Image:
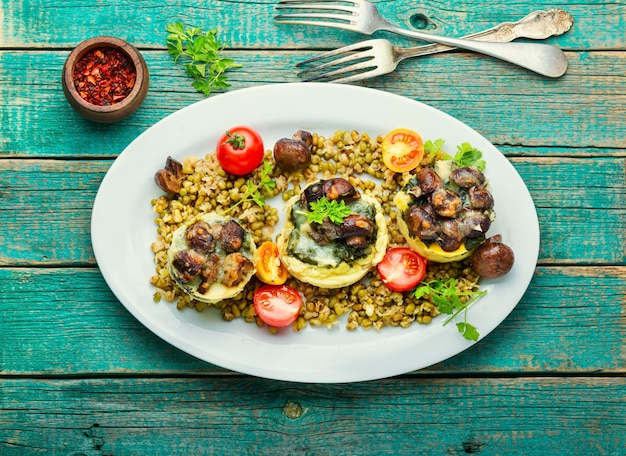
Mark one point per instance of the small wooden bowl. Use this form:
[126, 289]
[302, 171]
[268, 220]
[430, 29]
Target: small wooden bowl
[116, 111]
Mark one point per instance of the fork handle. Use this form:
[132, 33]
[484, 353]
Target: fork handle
[544, 59]
[537, 25]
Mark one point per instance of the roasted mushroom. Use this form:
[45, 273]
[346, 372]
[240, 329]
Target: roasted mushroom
[231, 236]
[427, 182]
[170, 178]
[467, 177]
[446, 203]
[492, 259]
[480, 198]
[188, 264]
[292, 154]
[199, 237]
[356, 230]
[339, 189]
[422, 224]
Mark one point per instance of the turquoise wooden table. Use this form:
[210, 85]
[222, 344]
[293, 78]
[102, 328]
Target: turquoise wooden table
[80, 376]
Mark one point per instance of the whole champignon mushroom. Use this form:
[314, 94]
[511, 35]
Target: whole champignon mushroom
[492, 259]
[294, 154]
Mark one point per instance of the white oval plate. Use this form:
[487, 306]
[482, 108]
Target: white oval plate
[123, 230]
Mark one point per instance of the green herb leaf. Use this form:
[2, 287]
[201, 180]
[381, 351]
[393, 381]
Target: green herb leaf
[469, 156]
[447, 298]
[236, 141]
[432, 148]
[254, 189]
[468, 330]
[334, 210]
[203, 54]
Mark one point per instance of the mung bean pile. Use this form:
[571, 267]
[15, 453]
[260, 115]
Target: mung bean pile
[354, 156]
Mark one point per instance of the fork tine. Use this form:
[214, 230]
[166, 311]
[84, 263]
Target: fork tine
[362, 46]
[340, 71]
[334, 63]
[297, 18]
[356, 77]
[314, 6]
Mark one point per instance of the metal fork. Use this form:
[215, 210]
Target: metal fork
[363, 17]
[372, 58]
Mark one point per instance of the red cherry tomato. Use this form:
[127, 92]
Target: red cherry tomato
[402, 269]
[277, 305]
[240, 150]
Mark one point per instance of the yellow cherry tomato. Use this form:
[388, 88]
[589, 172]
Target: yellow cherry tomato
[269, 269]
[403, 150]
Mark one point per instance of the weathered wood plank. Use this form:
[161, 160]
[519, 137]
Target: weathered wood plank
[505, 106]
[46, 209]
[67, 322]
[39, 23]
[247, 416]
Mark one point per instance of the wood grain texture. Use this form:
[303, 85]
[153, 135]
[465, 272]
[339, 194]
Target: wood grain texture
[247, 416]
[506, 104]
[46, 209]
[41, 24]
[571, 319]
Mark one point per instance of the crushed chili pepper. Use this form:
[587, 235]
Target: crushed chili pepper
[104, 76]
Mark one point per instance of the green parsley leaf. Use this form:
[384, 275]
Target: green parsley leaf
[237, 141]
[254, 189]
[469, 156]
[468, 330]
[203, 54]
[445, 296]
[433, 148]
[334, 210]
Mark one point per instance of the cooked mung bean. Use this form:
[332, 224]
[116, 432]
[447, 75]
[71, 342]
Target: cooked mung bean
[369, 304]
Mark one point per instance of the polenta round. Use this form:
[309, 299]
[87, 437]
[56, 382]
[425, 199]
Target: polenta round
[333, 265]
[212, 258]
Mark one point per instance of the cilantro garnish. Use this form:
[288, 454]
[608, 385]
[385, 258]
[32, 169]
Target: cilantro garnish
[466, 155]
[253, 191]
[448, 299]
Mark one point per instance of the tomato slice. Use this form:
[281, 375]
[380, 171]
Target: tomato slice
[402, 269]
[277, 305]
[240, 150]
[269, 269]
[403, 150]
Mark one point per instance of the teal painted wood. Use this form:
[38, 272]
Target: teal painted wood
[247, 416]
[508, 105]
[46, 209]
[67, 322]
[247, 23]
[501, 102]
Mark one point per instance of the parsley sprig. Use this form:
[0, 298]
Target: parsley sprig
[254, 190]
[448, 299]
[335, 210]
[203, 51]
[466, 154]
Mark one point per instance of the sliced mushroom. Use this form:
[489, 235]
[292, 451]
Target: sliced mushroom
[493, 259]
[467, 177]
[170, 179]
[451, 237]
[356, 229]
[304, 136]
[428, 180]
[311, 194]
[209, 273]
[231, 236]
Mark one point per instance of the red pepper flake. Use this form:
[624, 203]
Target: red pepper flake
[104, 76]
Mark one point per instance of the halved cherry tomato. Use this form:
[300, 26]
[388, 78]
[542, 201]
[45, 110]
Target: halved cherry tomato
[240, 150]
[277, 305]
[269, 269]
[403, 150]
[402, 269]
